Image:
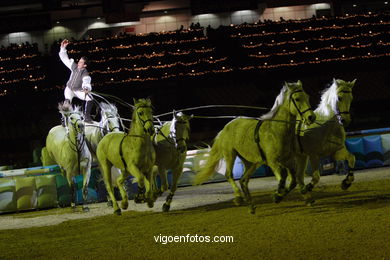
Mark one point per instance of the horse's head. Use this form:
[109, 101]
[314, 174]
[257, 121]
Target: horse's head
[344, 100]
[73, 117]
[180, 130]
[299, 104]
[143, 112]
[110, 118]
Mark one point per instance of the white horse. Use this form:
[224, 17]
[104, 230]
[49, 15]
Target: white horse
[109, 122]
[66, 147]
[327, 136]
[170, 143]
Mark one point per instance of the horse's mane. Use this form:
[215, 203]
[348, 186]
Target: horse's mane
[180, 117]
[108, 107]
[329, 100]
[66, 108]
[278, 101]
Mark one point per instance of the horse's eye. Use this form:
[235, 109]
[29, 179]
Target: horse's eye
[340, 98]
[141, 113]
[297, 100]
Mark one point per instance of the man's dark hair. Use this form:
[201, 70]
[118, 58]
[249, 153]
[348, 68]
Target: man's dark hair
[86, 62]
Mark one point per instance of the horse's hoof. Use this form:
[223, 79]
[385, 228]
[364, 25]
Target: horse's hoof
[124, 204]
[238, 201]
[309, 202]
[155, 196]
[307, 188]
[85, 209]
[118, 212]
[277, 198]
[139, 198]
[345, 185]
[252, 209]
[110, 204]
[150, 203]
[166, 207]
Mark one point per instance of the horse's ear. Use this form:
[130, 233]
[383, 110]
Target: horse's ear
[339, 81]
[299, 83]
[174, 113]
[135, 101]
[352, 83]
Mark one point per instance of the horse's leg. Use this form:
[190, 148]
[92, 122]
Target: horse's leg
[344, 154]
[105, 167]
[46, 159]
[229, 159]
[301, 166]
[280, 173]
[73, 191]
[140, 177]
[149, 194]
[115, 172]
[315, 164]
[121, 182]
[86, 170]
[164, 179]
[292, 176]
[244, 181]
[176, 173]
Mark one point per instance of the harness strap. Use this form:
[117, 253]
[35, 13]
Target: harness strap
[257, 139]
[121, 152]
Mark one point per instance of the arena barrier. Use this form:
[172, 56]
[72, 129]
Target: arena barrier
[45, 187]
[41, 188]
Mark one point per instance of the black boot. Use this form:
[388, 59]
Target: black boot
[87, 112]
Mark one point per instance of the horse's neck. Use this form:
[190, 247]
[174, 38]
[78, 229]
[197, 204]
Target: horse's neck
[93, 134]
[282, 121]
[163, 132]
[136, 129]
[73, 135]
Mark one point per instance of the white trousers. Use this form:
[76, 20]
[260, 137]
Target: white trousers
[70, 94]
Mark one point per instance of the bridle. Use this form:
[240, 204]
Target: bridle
[339, 113]
[172, 138]
[105, 125]
[140, 118]
[301, 113]
[75, 146]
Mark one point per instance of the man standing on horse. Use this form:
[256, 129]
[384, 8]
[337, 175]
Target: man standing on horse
[79, 83]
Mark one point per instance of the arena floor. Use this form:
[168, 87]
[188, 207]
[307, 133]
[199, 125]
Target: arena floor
[353, 224]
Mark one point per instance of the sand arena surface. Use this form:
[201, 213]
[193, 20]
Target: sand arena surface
[352, 224]
[185, 198]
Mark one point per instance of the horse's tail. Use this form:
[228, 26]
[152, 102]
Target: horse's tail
[46, 158]
[212, 163]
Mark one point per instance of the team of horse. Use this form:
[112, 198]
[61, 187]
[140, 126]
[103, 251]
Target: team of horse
[286, 138]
